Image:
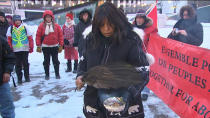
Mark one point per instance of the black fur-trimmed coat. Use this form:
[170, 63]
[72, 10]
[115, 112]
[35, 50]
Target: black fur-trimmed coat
[129, 50]
[194, 32]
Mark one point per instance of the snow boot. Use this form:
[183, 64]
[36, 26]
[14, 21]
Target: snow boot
[57, 75]
[18, 70]
[20, 79]
[46, 69]
[26, 73]
[75, 66]
[69, 68]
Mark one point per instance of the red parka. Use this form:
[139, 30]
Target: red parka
[52, 38]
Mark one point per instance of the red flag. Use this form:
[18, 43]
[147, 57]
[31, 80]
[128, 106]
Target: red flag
[153, 14]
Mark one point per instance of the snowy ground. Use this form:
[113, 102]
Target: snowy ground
[57, 98]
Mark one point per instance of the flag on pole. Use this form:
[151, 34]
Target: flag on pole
[152, 13]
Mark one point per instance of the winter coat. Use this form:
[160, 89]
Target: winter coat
[53, 38]
[7, 58]
[3, 28]
[148, 29]
[70, 51]
[80, 27]
[194, 32]
[129, 51]
[20, 38]
[106, 53]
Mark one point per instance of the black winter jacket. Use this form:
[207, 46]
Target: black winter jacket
[129, 50]
[80, 27]
[7, 58]
[194, 32]
[3, 28]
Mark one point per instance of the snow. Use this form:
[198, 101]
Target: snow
[57, 98]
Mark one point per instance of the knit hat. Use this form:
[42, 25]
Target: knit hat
[9, 16]
[140, 13]
[70, 15]
[16, 17]
[2, 14]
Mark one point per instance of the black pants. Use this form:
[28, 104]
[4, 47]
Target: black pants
[48, 53]
[91, 99]
[22, 63]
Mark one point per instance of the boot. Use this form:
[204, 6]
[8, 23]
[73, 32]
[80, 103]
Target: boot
[19, 73]
[75, 66]
[69, 69]
[26, 73]
[46, 69]
[20, 79]
[57, 75]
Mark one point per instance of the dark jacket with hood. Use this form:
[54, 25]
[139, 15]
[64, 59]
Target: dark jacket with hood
[3, 27]
[194, 31]
[80, 27]
[7, 58]
[106, 52]
[148, 29]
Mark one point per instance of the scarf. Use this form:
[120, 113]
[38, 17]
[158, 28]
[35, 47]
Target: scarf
[49, 28]
[69, 24]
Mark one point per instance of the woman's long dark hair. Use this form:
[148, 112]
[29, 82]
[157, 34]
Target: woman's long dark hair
[115, 17]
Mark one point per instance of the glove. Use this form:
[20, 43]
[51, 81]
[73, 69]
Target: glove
[31, 50]
[60, 49]
[66, 42]
[39, 49]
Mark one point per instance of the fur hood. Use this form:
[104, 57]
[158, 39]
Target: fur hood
[189, 9]
[138, 31]
[85, 11]
[148, 22]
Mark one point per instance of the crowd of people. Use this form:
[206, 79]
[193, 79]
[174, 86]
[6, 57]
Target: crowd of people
[107, 39]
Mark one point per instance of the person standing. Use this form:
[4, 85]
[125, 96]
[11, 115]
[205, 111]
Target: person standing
[187, 30]
[145, 23]
[9, 19]
[84, 21]
[49, 39]
[70, 51]
[4, 25]
[7, 62]
[21, 41]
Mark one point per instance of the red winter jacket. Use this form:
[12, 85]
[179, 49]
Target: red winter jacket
[148, 29]
[52, 38]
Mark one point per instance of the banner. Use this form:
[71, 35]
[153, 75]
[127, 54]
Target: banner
[181, 76]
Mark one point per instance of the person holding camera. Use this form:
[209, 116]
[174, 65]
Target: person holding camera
[187, 30]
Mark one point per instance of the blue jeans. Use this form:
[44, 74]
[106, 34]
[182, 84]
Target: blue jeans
[7, 108]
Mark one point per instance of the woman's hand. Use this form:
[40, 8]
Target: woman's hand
[174, 32]
[79, 82]
[6, 77]
[183, 32]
